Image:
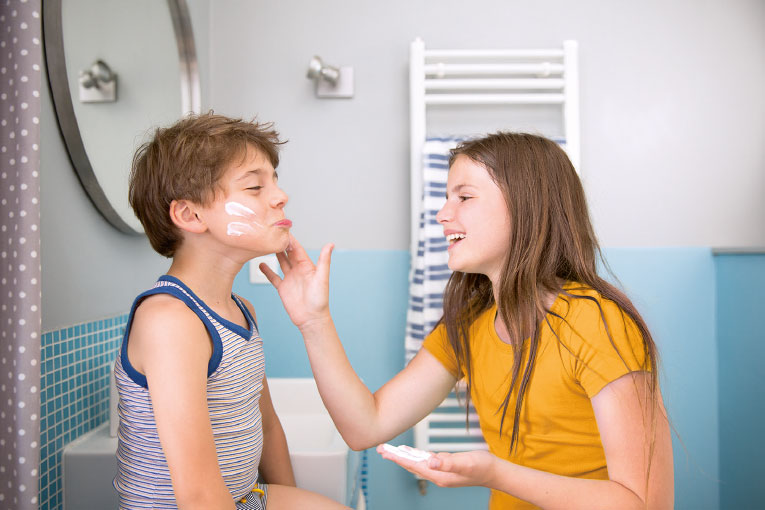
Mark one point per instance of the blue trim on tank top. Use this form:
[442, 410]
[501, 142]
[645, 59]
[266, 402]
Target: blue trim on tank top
[253, 325]
[217, 354]
[236, 328]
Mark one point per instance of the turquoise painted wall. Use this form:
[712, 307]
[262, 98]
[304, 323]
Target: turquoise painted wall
[740, 354]
[674, 288]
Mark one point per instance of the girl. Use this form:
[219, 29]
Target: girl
[559, 364]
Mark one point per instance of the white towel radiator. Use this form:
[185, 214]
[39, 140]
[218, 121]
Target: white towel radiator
[445, 78]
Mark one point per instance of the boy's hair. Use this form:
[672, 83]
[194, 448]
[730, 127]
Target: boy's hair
[185, 162]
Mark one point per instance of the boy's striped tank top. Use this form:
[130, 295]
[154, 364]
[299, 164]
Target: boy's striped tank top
[234, 384]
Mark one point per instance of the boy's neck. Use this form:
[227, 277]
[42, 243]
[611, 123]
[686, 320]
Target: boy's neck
[212, 281]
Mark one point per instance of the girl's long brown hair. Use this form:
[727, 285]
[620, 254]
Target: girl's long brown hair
[551, 240]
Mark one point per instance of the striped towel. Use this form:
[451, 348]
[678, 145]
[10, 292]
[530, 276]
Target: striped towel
[430, 270]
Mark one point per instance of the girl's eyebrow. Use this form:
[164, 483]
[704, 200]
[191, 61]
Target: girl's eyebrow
[457, 188]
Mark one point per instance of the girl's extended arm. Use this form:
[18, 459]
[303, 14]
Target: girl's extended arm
[362, 418]
[171, 347]
[626, 436]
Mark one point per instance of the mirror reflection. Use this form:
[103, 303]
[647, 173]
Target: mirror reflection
[124, 76]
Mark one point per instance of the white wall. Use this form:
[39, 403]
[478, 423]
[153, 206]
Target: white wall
[673, 115]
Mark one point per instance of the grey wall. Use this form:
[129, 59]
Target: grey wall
[89, 269]
[673, 117]
[673, 114]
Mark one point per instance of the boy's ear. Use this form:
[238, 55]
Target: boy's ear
[184, 215]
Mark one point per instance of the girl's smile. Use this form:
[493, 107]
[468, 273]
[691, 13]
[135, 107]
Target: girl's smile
[453, 237]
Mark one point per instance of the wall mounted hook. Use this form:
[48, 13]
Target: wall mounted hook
[330, 81]
[98, 84]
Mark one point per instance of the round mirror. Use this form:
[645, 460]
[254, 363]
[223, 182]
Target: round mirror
[117, 69]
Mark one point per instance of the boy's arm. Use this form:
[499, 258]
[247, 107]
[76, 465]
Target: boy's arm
[275, 465]
[170, 345]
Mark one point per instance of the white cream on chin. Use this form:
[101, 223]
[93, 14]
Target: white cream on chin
[238, 228]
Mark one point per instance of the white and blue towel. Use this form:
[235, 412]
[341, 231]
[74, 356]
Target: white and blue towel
[430, 270]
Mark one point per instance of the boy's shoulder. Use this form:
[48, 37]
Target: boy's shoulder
[164, 311]
[164, 330]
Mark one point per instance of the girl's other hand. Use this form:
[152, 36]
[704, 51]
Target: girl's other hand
[449, 469]
[304, 290]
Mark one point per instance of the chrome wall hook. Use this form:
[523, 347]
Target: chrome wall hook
[317, 70]
[330, 81]
[98, 84]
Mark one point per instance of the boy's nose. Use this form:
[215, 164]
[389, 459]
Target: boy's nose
[280, 198]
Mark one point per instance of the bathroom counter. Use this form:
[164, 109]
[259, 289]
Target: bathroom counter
[89, 465]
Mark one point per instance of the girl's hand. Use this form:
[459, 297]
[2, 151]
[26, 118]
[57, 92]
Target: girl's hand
[464, 469]
[304, 290]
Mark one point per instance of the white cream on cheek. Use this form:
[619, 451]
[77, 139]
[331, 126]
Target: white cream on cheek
[237, 209]
[239, 228]
[236, 228]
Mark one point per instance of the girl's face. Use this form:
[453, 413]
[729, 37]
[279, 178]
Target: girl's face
[475, 219]
[249, 212]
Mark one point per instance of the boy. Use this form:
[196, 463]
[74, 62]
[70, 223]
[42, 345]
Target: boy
[197, 426]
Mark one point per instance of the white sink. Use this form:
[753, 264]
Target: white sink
[322, 462]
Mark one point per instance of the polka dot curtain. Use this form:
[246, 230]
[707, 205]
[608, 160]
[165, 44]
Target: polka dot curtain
[20, 82]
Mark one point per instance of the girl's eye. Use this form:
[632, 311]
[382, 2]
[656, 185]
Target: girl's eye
[256, 188]
[463, 198]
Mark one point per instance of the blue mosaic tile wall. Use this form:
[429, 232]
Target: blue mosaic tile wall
[74, 392]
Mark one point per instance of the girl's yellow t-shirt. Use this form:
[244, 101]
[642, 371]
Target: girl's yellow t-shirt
[557, 431]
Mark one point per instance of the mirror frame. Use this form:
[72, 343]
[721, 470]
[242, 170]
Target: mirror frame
[55, 60]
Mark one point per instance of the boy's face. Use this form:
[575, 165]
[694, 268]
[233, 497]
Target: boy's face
[249, 211]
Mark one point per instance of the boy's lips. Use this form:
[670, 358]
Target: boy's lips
[283, 223]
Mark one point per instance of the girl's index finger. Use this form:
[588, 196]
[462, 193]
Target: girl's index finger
[284, 262]
[270, 274]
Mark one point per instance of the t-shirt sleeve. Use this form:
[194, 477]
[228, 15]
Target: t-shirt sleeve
[603, 351]
[437, 344]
